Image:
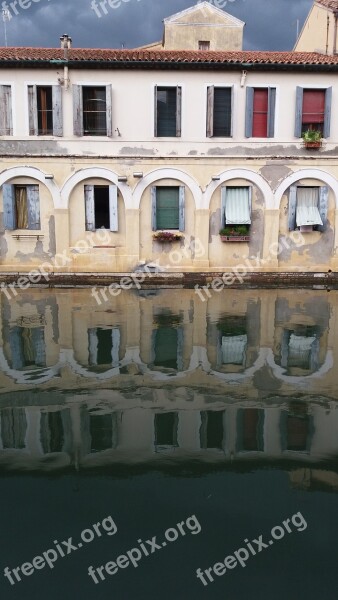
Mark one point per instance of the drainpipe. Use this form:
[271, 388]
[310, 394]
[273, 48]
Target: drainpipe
[327, 33]
[66, 44]
[335, 14]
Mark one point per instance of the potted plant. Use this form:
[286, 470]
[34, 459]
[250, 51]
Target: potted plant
[235, 233]
[312, 138]
[166, 236]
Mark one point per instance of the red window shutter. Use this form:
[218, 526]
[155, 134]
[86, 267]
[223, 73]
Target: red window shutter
[313, 106]
[260, 113]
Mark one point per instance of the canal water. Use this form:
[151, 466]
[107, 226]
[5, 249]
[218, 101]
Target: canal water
[154, 446]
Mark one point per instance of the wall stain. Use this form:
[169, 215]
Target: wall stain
[275, 174]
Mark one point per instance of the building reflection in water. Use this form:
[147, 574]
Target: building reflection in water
[247, 377]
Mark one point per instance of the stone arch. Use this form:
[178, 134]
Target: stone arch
[250, 176]
[91, 173]
[33, 173]
[168, 173]
[306, 174]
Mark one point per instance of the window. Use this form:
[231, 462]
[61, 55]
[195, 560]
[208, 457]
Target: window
[219, 111]
[51, 432]
[211, 431]
[313, 110]
[103, 432]
[28, 348]
[92, 110]
[21, 206]
[168, 111]
[308, 208]
[300, 350]
[104, 346]
[45, 110]
[168, 207]
[13, 427]
[235, 205]
[260, 112]
[6, 120]
[166, 425]
[296, 428]
[204, 45]
[101, 207]
[250, 430]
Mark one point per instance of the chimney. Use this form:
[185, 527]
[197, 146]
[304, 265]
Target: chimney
[66, 44]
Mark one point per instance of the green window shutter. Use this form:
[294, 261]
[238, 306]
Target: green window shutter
[32, 110]
[77, 110]
[178, 111]
[249, 111]
[210, 111]
[299, 112]
[271, 112]
[323, 206]
[166, 106]
[6, 122]
[292, 207]
[8, 194]
[167, 208]
[166, 348]
[89, 207]
[222, 112]
[153, 208]
[113, 214]
[223, 199]
[327, 115]
[57, 110]
[181, 207]
[155, 111]
[109, 110]
[33, 207]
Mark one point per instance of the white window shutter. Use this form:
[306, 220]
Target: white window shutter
[327, 115]
[210, 110]
[115, 352]
[153, 208]
[8, 194]
[223, 200]
[109, 110]
[57, 110]
[32, 110]
[6, 121]
[323, 206]
[77, 110]
[33, 207]
[92, 346]
[113, 213]
[181, 208]
[249, 111]
[89, 207]
[299, 112]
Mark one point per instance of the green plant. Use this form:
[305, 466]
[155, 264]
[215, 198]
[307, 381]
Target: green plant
[312, 135]
[234, 230]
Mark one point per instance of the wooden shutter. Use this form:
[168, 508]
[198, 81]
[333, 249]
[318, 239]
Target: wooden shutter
[109, 110]
[92, 346]
[8, 194]
[113, 214]
[155, 111]
[210, 111]
[38, 340]
[33, 207]
[6, 122]
[249, 111]
[327, 113]
[292, 207]
[260, 113]
[284, 351]
[77, 110]
[181, 207]
[180, 347]
[223, 200]
[115, 351]
[250, 200]
[16, 345]
[89, 207]
[323, 206]
[32, 110]
[299, 112]
[314, 356]
[271, 112]
[153, 208]
[178, 111]
[57, 110]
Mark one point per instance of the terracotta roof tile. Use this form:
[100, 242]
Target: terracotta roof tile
[331, 4]
[45, 56]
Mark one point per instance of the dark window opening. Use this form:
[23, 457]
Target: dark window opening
[222, 112]
[297, 432]
[204, 45]
[251, 430]
[211, 432]
[166, 344]
[45, 110]
[51, 432]
[166, 111]
[166, 429]
[13, 428]
[101, 432]
[94, 111]
[101, 206]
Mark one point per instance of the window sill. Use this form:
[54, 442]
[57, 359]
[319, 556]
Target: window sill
[27, 236]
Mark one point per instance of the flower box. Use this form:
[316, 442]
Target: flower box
[235, 238]
[166, 236]
[313, 145]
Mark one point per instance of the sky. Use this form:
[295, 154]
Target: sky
[270, 24]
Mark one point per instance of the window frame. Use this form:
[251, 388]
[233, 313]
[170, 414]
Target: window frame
[89, 201]
[299, 109]
[209, 111]
[272, 110]
[32, 108]
[179, 105]
[181, 207]
[323, 203]
[77, 97]
[33, 207]
[223, 202]
[11, 114]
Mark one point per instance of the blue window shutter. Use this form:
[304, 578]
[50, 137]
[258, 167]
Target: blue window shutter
[6, 121]
[223, 200]
[155, 111]
[180, 342]
[182, 208]
[113, 214]
[38, 340]
[57, 110]
[33, 207]
[314, 356]
[292, 207]
[77, 110]
[109, 110]
[249, 111]
[323, 206]
[210, 111]
[250, 200]
[8, 194]
[16, 345]
[153, 208]
[271, 112]
[327, 115]
[32, 110]
[285, 348]
[178, 111]
[115, 352]
[89, 207]
[299, 112]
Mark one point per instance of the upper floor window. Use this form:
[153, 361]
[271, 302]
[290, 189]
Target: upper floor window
[235, 205]
[45, 110]
[21, 206]
[168, 207]
[313, 110]
[219, 111]
[260, 112]
[168, 111]
[101, 207]
[92, 110]
[6, 122]
[28, 347]
[204, 45]
[308, 208]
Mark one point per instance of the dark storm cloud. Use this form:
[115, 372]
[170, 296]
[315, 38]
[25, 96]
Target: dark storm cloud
[270, 24]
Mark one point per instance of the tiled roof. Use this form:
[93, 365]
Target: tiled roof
[331, 4]
[160, 58]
